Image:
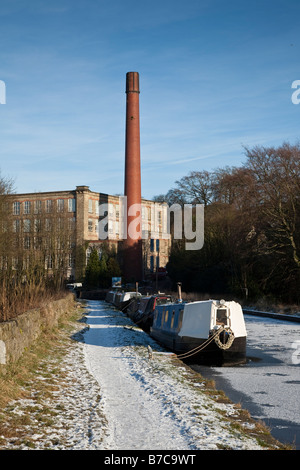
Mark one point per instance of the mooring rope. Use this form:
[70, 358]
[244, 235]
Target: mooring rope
[215, 337]
[194, 351]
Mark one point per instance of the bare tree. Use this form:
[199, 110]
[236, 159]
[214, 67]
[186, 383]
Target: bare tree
[277, 187]
[36, 250]
[196, 187]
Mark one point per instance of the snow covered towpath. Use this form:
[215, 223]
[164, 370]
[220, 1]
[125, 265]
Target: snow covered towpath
[152, 403]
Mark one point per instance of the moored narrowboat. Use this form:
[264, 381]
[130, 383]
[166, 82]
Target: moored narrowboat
[144, 314]
[206, 332]
[123, 299]
[133, 306]
[141, 309]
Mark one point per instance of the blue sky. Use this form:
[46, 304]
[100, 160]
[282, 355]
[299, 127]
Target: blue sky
[215, 76]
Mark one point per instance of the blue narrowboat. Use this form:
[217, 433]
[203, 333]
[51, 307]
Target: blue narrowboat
[144, 313]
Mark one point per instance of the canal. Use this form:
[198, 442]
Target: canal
[268, 385]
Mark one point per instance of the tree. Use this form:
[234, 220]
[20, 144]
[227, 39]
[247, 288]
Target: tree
[93, 269]
[102, 266]
[6, 249]
[252, 227]
[196, 187]
[277, 178]
[275, 236]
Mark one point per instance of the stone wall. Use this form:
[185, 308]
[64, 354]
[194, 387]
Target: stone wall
[18, 334]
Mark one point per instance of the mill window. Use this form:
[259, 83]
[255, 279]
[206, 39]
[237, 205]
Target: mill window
[27, 206]
[16, 208]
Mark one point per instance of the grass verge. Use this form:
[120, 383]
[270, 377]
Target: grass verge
[29, 388]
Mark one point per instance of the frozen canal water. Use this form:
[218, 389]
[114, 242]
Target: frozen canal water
[268, 386]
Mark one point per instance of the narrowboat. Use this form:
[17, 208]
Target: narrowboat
[122, 299]
[208, 332]
[144, 314]
[133, 306]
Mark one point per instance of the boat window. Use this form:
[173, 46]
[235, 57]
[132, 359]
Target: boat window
[172, 319]
[221, 316]
[180, 319]
[161, 301]
[166, 316]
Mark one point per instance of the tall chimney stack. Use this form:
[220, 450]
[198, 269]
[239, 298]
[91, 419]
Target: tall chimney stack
[132, 188]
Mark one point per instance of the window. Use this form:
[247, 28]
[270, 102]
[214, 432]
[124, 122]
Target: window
[159, 217]
[47, 225]
[151, 244]
[71, 223]
[16, 208]
[27, 243]
[26, 225]
[49, 262]
[90, 206]
[166, 316]
[88, 253]
[71, 261]
[49, 205]
[71, 205]
[16, 225]
[37, 243]
[221, 316]
[27, 206]
[157, 244]
[90, 225]
[37, 207]
[172, 319]
[4, 226]
[71, 242]
[15, 262]
[180, 319]
[145, 229]
[60, 205]
[59, 224]
[37, 225]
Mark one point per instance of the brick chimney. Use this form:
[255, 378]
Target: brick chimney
[132, 187]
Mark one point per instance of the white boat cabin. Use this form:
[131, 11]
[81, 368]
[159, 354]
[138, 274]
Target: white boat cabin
[198, 319]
